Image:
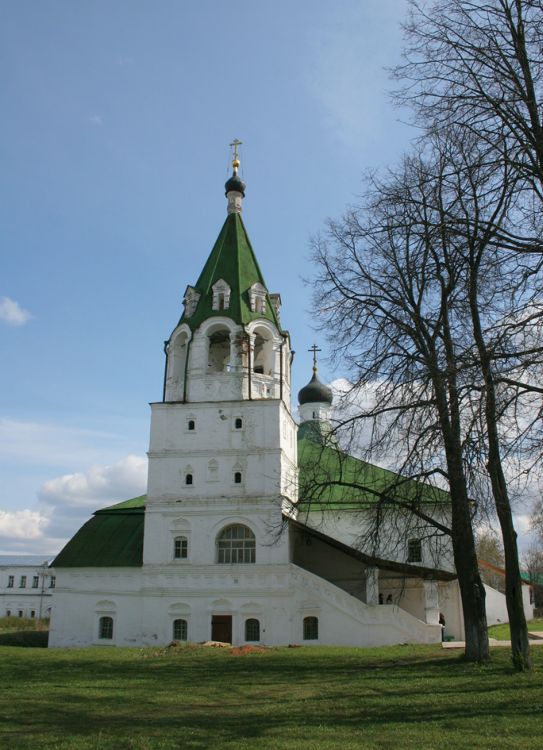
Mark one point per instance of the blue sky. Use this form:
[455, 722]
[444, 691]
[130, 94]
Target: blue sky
[116, 120]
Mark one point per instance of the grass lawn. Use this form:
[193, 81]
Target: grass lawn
[406, 697]
[502, 632]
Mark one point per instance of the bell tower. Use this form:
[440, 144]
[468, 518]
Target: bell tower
[229, 344]
[223, 440]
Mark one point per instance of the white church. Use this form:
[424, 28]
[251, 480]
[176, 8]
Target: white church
[224, 546]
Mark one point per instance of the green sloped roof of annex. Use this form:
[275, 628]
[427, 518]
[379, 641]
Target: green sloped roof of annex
[113, 537]
[332, 479]
[233, 260]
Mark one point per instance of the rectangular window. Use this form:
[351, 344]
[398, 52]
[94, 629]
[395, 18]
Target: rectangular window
[414, 551]
[52, 582]
[22, 583]
[35, 582]
[11, 582]
[180, 551]
[20, 613]
[32, 613]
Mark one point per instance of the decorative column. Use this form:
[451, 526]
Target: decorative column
[431, 602]
[372, 586]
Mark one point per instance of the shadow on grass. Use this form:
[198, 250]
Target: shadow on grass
[25, 638]
[210, 699]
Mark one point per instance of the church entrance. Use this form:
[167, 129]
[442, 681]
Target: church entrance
[221, 628]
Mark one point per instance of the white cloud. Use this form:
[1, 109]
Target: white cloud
[98, 486]
[12, 313]
[22, 524]
[67, 502]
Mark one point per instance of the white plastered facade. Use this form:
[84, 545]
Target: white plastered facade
[223, 460]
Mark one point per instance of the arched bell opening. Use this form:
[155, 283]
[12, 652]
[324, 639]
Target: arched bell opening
[219, 350]
[177, 359]
[263, 363]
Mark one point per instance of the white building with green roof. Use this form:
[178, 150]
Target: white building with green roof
[222, 547]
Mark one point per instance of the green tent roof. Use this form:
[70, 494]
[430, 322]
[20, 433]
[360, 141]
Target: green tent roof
[233, 260]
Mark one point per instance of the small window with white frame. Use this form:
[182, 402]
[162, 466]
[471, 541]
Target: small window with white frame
[311, 628]
[180, 630]
[238, 423]
[180, 548]
[22, 583]
[52, 582]
[105, 628]
[11, 582]
[191, 424]
[35, 582]
[257, 298]
[252, 629]
[221, 295]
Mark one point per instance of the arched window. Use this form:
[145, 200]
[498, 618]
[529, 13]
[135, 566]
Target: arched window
[311, 628]
[414, 551]
[219, 351]
[191, 425]
[236, 544]
[188, 478]
[105, 628]
[180, 630]
[252, 630]
[180, 548]
[238, 424]
[237, 477]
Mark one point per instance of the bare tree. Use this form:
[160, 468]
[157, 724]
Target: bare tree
[389, 291]
[477, 65]
[536, 519]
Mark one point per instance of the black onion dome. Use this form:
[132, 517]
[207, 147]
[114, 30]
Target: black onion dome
[234, 183]
[315, 392]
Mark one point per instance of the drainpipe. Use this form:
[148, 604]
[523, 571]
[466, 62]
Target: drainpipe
[281, 370]
[165, 370]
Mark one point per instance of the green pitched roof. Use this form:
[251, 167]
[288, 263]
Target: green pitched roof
[330, 478]
[233, 260]
[112, 538]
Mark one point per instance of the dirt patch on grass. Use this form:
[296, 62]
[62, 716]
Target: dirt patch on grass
[244, 650]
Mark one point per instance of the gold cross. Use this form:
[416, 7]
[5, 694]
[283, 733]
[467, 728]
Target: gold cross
[235, 143]
[314, 349]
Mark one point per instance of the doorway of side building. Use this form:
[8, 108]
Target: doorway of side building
[221, 628]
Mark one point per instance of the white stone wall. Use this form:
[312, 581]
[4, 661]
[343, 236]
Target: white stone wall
[352, 527]
[144, 603]
[30, 600]
[496, 606]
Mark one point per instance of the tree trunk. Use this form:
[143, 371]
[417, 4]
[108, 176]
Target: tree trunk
[520, 647]
[472, 590]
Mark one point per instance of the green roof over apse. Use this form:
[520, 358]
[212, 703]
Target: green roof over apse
[233, 260]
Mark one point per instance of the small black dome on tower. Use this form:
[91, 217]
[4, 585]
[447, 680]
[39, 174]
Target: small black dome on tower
[315, 392]
[235, 183]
